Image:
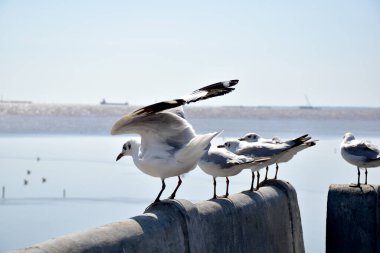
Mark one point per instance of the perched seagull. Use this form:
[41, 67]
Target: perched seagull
[362, 154]
[169, 145]
[259, 149]
[219, 162]
[287, 155]
[240, 148]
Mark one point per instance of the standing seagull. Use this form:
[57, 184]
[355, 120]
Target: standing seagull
[223, 163]
[259, 149]
[287, 155]
[362, 154]
[169, 145]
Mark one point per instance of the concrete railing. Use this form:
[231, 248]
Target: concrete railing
[353, 219]
[264, 221]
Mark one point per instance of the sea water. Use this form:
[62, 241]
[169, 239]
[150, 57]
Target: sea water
[85, 187]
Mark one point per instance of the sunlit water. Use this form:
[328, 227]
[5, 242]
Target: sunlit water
[100, 190]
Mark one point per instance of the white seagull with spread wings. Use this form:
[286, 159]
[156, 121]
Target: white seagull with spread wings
[169, 145]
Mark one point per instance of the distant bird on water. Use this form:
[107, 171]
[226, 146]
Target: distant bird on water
[219, 162]
[28, 172]
[169, 145]
[362, 154]
[25, 182]
[43, 180]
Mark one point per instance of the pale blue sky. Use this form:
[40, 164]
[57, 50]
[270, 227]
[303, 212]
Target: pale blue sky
[146, 51]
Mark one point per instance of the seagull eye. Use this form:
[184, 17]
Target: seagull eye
[124, 148]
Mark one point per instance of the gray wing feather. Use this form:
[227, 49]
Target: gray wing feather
[364, 149]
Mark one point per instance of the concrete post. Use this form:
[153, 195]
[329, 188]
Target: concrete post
[353, 219]
[264, 221]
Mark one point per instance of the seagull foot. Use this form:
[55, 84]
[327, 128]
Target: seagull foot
[355, 185]
[215, 197]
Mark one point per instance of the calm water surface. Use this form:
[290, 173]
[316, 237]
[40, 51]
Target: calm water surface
[100, 190]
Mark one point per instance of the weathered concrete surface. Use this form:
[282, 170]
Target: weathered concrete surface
[353, 219]
[263, 221]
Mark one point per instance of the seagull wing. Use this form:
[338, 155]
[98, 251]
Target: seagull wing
[226, 159]
[209, 91]
[164, 131]
[162, 123]
[258, 149]
[364, 149]
[298, 141]
[213, 90]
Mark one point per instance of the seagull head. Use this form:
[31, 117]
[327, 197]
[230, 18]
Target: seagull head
[348, 137]
[127, 149]
[250, 137]
[231, 146]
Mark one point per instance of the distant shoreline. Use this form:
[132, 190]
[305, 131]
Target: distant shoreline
[258, 112]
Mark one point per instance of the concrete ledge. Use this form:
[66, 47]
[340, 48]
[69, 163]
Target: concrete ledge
[353, 219]
[263, 221]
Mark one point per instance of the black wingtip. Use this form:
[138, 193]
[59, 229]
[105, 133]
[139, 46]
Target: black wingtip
[234, 82]
[301, 140]
[213, 90]
[158, 107]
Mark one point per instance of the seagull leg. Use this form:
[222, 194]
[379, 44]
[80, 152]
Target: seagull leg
[228, 185]
[214, 197]
[162, 189]
[266, 173]
[175, 190]
[366, 173]
[358, 184]
[258, 181]
[275, 176]
[253, 179]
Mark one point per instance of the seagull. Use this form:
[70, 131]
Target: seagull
[240, 148]
[287, 155]
[223, 163]
[259, 149]
[362, 154]
[169, 145]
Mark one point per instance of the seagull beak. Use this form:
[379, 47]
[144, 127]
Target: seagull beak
[241, 139]
[221, 146]
[119, 156]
